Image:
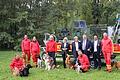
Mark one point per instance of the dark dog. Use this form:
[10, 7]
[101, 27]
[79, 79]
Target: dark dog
[25, 71]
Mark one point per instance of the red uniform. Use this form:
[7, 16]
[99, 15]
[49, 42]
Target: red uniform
[25, 46]
[17, 63]
[51, 49]
[107, 51]
[35, 50]
[84, 61]
[51, 46]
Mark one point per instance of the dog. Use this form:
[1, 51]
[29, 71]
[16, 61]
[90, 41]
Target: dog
[25, 71]
[68, 62]
[77, 67]
[116, 64]
[48, 62]
[39, 62]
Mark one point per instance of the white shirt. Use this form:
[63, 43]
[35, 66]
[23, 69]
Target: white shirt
[64, 45]
[84, 44]
[95, 45]
[76, 45]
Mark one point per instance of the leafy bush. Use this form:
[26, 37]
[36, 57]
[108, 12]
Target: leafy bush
[6, 40]
[17, 46]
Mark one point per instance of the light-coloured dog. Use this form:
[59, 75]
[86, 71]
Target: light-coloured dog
[48, 62]
[77, 68]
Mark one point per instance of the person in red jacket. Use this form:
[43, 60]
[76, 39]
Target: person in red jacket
[25, 46]
[83, 62]
[16, 65]
[51, 48]
[107, 50]
[35, 50]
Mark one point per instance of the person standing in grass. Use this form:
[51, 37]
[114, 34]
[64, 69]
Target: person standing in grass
[86, 46]
[51, 48]
[107, 50]
[17, 65]
[76, 46]
[96, 49]
[65, 49]
[35, 50]
[25, 46]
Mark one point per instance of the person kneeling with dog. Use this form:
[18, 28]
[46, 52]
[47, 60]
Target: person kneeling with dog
[82, 63]
[17, 65]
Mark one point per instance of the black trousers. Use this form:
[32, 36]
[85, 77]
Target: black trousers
[64, 55]
[52, 54]
[75, 57]
[97, 59]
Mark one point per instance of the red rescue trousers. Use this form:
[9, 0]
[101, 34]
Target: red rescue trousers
[107, 56]
[27, 53]
[34, 57]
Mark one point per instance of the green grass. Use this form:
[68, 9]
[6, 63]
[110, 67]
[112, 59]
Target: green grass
[56, 74]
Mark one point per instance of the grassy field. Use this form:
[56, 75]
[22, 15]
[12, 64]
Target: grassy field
[56, 74]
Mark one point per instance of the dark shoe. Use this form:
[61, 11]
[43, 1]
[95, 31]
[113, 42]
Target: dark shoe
[109, 71]
[64, 67]
[36, 66]
[99, 68]
[95, 67]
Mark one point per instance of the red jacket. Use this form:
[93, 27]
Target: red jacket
[25, 45]
[106, 44]
[35, 47]
[83, 60]
[18, 63]
[51, 46]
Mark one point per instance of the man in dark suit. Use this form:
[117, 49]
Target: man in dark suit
[96, 49]
[76, 46]
[86, 46]
[65, 49]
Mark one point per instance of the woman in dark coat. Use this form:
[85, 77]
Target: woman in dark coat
[65, 49]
